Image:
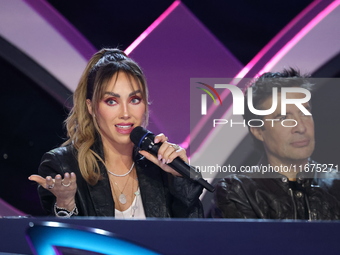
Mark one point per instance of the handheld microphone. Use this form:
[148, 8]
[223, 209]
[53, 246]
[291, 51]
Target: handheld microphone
[144, 139]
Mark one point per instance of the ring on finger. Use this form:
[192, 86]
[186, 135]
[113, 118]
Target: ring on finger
[50, 186]
[65, 185]
[176, 147]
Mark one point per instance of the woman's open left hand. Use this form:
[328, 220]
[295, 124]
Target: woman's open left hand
[64, 189]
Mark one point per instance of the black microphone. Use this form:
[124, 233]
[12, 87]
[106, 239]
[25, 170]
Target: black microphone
[144, 139]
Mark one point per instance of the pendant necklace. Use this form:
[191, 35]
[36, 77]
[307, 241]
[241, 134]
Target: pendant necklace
[122, 198]
[135, 207]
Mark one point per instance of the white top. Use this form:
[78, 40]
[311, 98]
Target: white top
[135, 211]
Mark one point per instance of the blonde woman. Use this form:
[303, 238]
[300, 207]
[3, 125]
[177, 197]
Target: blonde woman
[98, 171]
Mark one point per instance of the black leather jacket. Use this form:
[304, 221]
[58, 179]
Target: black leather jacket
[163, 195]
[314, 196]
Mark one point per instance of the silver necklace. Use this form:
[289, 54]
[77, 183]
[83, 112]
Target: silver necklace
[122, 175]
[135, 207]
[122, 197]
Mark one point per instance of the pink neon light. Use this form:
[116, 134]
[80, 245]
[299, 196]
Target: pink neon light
[248, 67]
[152, 27]
[280, 54]
[201, 122]
[272, 42]
[276, 58]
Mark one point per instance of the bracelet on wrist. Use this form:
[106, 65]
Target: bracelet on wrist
[63, 212]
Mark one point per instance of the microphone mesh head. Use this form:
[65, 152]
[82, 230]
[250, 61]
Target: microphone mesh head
[137, 134]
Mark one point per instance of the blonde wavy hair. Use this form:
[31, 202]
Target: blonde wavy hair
[81, 126]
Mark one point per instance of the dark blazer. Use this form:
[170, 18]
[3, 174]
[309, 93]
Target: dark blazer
[163, 195]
